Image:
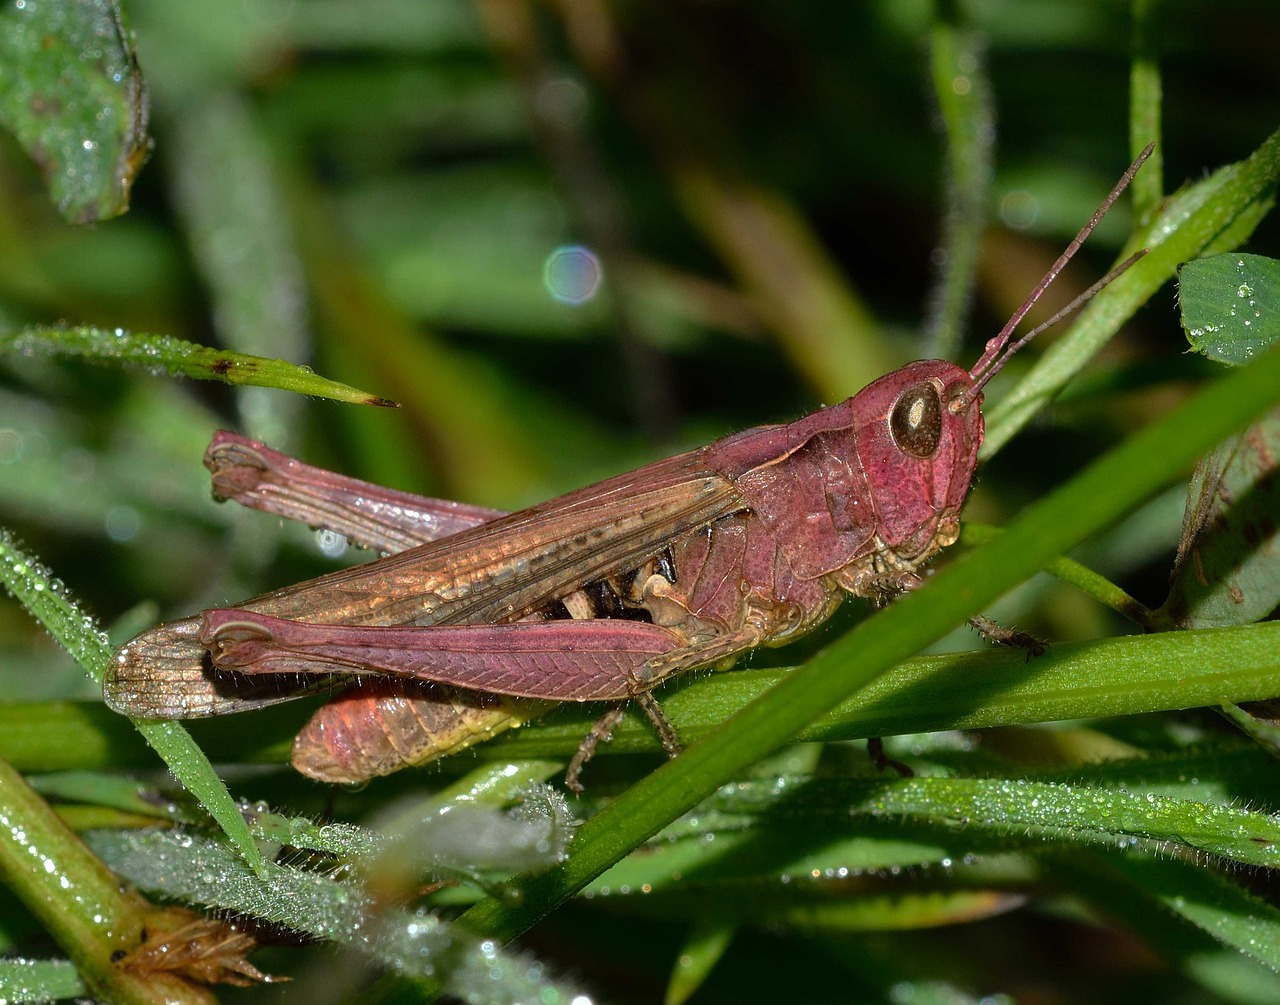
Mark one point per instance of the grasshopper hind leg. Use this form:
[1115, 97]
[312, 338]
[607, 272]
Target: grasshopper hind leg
[602, 731]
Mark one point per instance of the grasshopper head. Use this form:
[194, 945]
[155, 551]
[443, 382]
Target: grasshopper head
[918, 451]
[935, 420]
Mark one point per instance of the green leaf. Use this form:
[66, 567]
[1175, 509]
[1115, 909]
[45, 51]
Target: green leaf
[70, 91]
[1230, 305]
[166, 354]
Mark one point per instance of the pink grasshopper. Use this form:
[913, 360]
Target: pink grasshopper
[478, 620]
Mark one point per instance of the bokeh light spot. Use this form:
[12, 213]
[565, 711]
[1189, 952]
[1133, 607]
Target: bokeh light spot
[572, 274]
[1019, 209]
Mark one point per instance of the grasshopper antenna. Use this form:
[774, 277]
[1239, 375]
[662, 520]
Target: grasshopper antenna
[998, 350]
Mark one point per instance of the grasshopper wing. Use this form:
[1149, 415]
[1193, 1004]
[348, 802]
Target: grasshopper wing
[496, 572]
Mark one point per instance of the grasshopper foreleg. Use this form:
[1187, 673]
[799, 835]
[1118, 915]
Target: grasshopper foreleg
[881, 588]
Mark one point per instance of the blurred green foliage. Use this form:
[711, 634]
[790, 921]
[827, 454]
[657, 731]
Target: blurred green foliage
[784, 201]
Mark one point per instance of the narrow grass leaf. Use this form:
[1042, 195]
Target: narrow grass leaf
[166, 354]
[1228, 913]
[416, 944]
[46, 600]
[700, 953]
[35, 981]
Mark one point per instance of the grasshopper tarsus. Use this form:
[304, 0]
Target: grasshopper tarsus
[883, 762]
[997, 633]
[661, 724]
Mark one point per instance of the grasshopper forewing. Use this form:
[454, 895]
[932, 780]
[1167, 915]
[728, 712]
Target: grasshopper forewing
[480, 619]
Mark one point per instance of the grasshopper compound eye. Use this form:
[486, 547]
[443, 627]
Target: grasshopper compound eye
[916, 420]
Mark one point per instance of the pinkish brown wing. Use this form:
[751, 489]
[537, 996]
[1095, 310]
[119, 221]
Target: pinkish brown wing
[496, 572]
[502, 570]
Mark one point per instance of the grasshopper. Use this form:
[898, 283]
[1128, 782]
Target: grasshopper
[478, 620]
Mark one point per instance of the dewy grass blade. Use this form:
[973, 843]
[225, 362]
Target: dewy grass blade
[1077, 814]
[39, 980]
[416, 944]
[76, 898]
[46, 599]
[167, 354]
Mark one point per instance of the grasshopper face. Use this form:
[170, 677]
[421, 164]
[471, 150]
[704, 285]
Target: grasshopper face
[919, 448]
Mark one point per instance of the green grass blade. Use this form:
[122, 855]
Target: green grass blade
[47, 601]
[1076, 814]
[166, 354]
[1146, 94]
[39, 980]
[1076, 574]
[1228, 913]
[962, 90]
